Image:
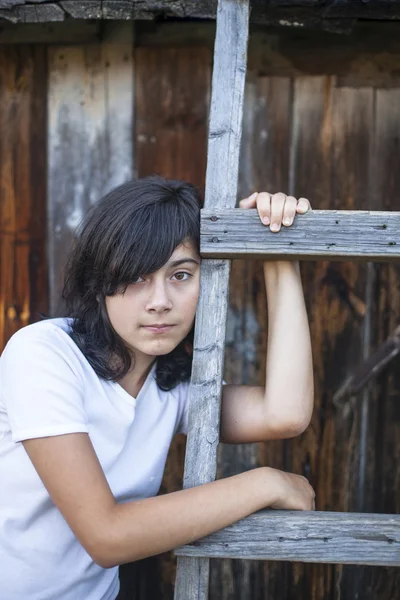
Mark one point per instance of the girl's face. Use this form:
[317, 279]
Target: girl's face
[156, 313]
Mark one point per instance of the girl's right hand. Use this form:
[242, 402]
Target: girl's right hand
[293, 492]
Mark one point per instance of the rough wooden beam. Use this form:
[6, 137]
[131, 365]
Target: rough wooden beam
[319, 537]
[320, 234]
[334, 14]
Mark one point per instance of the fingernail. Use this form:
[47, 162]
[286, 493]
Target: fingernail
[265, 221]
[274, 227]
[286, 221]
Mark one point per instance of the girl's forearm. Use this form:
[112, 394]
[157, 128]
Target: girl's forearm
[151, 526]
[289, 388]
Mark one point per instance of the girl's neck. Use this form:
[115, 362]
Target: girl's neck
[133, 381]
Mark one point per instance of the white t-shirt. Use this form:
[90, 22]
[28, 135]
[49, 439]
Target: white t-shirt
[47, 387]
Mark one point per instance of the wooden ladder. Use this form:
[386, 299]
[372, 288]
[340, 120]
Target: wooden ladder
[226, 233]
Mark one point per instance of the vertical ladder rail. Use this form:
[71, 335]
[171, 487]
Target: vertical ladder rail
[225, 131]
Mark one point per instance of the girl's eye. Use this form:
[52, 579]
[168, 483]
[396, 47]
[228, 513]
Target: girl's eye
[181, 276]
[138, 280]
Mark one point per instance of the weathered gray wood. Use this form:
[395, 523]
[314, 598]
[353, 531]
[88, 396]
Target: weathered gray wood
[31, 13]
[90, 102]
[296, 13]
[229, 74]
[322, 537]
[327, 234]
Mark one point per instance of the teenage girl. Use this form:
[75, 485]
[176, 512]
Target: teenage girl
[89, 403]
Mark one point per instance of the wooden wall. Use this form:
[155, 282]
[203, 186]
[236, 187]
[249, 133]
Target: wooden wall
[23, 261]
[322, 119]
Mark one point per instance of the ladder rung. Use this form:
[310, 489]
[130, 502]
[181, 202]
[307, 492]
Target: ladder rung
[319, 234]
[321, 537]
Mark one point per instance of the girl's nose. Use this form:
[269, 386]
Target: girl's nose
[159, 299]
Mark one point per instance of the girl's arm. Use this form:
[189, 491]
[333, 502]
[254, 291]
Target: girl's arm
[289, 388]
[283, 407]
[114, 534]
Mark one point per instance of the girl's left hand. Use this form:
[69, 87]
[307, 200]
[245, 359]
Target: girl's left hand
[276, 209]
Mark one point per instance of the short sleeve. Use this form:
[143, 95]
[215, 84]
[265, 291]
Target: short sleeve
[40, 386]
[184, 404]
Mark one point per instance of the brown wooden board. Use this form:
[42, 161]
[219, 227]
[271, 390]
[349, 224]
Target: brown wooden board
[332, 149]
[171, 112]
[172, 90]
[23, 263]
[264, 164]
[382, 451]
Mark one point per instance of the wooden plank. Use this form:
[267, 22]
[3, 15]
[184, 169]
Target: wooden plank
[228, 84]
[296, 13]
[328, 234]
[336, 177]
[328, 537]
[170, 139]
[264, 165]
[382, 453]
[90, 104]
[23, 268]
[171, 136]
[15, 12]
[65, 32]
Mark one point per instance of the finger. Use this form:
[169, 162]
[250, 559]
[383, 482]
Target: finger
[264, 207]
[303, 205]
[277, 206]
[250, 202]
[289, 210]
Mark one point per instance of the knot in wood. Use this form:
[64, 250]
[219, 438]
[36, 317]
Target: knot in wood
[215, 240]
[214, 218]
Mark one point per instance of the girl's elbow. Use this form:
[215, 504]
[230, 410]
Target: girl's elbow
[295, 425]
[299, 424]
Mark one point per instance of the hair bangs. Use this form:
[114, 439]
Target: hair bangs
[139, 251]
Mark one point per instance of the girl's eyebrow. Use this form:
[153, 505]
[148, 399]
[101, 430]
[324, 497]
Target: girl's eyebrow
[176, 263]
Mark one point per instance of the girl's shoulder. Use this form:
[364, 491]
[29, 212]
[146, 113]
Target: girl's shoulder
[48, 329]
[46, 341]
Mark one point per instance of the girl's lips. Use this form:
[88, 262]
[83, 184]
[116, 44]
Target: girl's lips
[162, 329]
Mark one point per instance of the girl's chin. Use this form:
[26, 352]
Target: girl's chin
[159, 349]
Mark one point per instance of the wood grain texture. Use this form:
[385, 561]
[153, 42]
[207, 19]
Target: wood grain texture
[90, 106]
[225, 131]
[329, 235]
[23, 264]
[171, 106]
[263, 165]
[172, 91]
[297, 13]
[330, 448]
[326, 537]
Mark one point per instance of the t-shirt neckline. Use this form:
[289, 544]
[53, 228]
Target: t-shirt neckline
[126, 396]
